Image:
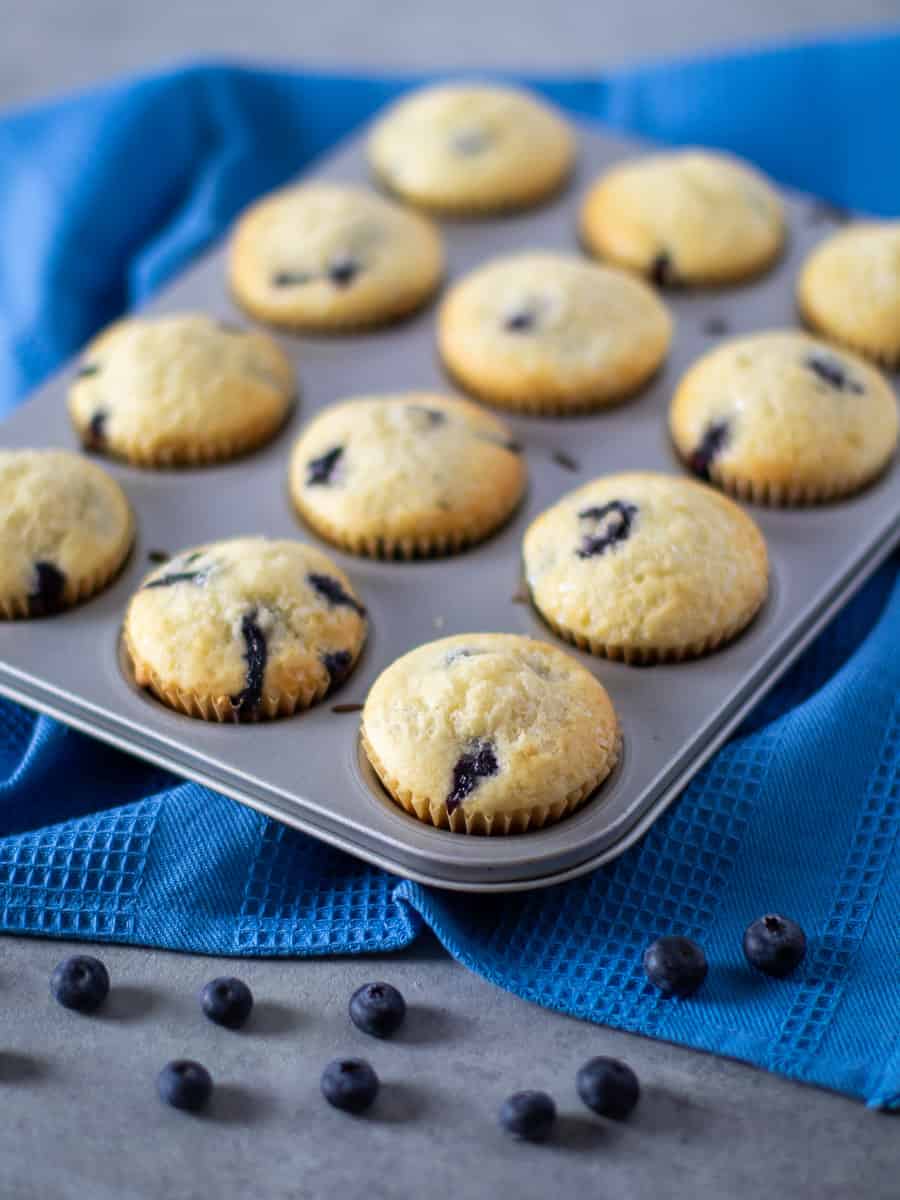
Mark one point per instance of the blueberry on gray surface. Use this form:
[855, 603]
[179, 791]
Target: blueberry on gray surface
[97, 428]
[662, 271]
[246, 702]
[343, 270]
[349, 1084]
[833, 372]
[185, 1084]
[86, 370]
[529, 1116]
[675, 965]
[775, 945]
[49, 589]
[320, 470]
[608, 1087]
[479, 762]
[227, 1001]
[333, 591]
[610, 523]
[377, 1009]
[522, 320]
[291, 278]
[337, 663]
[80, 983]
[715, 439]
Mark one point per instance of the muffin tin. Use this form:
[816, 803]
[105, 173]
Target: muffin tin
[308, 770]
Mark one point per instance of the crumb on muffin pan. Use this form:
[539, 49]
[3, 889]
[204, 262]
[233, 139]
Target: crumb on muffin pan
[307, 766]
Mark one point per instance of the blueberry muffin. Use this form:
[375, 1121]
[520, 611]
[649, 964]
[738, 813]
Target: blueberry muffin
[646, 568]
[489, 733]
[684, 217]
[323, 256]
[462, 148]
[180, 390]
[406, 476]
[550, 333]
[65, 530]
[782, 418]
[849, 289]
[244, 630]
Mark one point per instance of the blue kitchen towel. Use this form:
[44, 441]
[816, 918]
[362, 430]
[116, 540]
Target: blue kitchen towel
[104, 196]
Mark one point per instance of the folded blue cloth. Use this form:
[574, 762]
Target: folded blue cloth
[104, 196]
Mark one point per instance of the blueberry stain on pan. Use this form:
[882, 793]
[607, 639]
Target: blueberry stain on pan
[612, 524]
[479, 762]
[320, 470]
[833, 372]
[715, 438]
[333, 591]
[247, 701]
[49, 590]
[715, 327]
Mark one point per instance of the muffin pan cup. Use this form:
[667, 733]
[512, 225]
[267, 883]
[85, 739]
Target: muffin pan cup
[308, 770]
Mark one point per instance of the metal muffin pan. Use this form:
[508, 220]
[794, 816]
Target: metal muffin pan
[308, 771]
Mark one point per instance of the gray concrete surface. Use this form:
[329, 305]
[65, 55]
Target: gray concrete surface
[81, 1117]
[56, 44]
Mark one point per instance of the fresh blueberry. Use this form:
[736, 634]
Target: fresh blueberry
[715, 438]
[227, 1001]
[528, 1115]
[479, 762]
[676, 965]
[349, 1084]
[291, 278]
[256, 654]
[343, 270]
[81, 983]
[97, 429]
[520, 321]
[49, 591]
[185, 1084]
[378, 1009]
[774, 944]
[608, 524]
[332, 590]
[662, 271]
[608, 1087]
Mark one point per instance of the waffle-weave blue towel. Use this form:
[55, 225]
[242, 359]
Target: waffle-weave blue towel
[105, 195]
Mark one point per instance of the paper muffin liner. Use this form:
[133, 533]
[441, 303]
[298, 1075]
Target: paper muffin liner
[391, 312]
[404, 549]
[534, 404]
[645, 656]
[473, 208]
[77, 589]
[189, 454]
[876, 352]
[209, 706]
[434, 812]
[793, 494]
